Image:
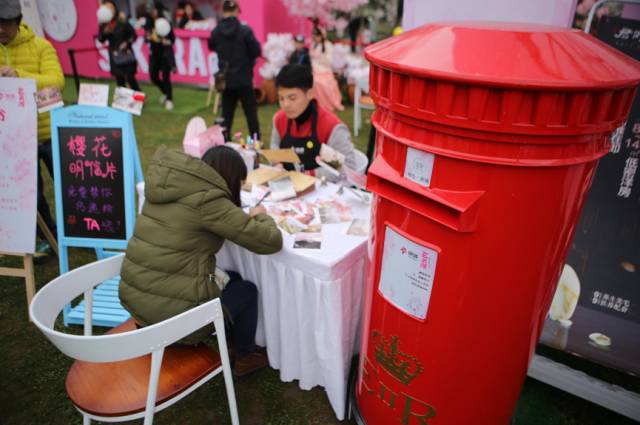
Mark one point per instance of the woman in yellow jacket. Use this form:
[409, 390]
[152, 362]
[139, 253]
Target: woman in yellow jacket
[25, 55]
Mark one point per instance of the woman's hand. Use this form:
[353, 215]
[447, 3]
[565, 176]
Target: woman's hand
[257, 210]
[166, 42]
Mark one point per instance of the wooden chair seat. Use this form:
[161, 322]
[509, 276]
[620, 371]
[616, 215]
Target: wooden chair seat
[120, 388]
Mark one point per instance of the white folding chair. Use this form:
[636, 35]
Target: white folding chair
[362, 86]
[121, 376]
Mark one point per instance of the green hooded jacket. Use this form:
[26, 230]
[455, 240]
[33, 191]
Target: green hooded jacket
[187, 215]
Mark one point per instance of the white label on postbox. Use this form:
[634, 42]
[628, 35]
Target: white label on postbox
[419, 166]
[406, 278]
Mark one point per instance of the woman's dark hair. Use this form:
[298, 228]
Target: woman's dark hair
[115, 6]
[295, 76]
[230, 165]
[160, 7]
[318, 32]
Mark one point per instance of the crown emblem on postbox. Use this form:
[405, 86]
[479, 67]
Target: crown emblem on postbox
[400, 365]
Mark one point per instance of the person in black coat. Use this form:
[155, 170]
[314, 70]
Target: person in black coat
[162, 61]
[300, 56]
[237, 50]
[120, 35]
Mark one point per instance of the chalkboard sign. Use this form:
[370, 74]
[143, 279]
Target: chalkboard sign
[96, 166]
[92, 183]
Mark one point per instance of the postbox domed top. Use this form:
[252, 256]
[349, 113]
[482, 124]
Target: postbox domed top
[506, 54]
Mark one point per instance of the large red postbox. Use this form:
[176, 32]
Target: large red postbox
[488, 138]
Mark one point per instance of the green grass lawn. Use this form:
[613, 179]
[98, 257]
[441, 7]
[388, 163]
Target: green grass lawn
[32, 371]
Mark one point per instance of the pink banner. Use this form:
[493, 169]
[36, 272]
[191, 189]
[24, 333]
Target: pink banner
[194, 61]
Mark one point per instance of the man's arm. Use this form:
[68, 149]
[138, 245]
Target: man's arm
[50, 73]
[340, 140]
[253, 46]
[275, 136]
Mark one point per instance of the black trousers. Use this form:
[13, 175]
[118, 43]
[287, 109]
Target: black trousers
[247, 97]
[160, 73]
[240, 298]
[130, 78]
[44, 155]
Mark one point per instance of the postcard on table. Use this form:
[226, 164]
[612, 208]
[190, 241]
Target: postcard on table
[282, 188]
[93, 94]
[308, 241]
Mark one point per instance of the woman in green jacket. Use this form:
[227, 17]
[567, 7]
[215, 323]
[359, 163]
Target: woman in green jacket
[191, 207]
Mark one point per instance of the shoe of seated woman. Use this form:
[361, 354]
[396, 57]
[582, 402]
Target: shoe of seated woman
[252, 362]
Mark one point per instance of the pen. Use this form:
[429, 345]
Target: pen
[263, 198]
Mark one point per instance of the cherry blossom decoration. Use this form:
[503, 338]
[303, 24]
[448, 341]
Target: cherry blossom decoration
[321, 9]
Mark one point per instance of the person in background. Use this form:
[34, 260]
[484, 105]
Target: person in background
[191, 207]
[304, 125]
[120, 35]
[25, 55]
[190, 14]
[325, 86]
[162, 62]
[237, 50]
[301, 54]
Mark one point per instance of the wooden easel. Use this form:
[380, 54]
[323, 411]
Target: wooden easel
[26, 271]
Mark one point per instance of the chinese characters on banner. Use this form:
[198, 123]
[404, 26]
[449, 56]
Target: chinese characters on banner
[91, 161]
[605, 253]
[18, 165]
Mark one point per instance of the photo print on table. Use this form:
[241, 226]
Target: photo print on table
[308, 241]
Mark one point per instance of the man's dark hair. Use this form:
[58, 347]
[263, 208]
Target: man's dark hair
[231, 167]
[295, 76]
[230, 6]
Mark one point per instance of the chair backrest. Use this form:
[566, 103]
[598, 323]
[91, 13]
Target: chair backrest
[49, 301]
[361, 162]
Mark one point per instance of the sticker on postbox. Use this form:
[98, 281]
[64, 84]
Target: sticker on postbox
[418, 166]
[408, 270]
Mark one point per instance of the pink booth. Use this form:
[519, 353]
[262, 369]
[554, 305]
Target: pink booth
[72, 24]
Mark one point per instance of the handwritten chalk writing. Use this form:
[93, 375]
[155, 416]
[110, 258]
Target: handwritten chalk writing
[72, 219]
[101, 147]
[77, 169]
[91, 223]
[95, 178]
[77, 145]
[72, 192]
[107, 226]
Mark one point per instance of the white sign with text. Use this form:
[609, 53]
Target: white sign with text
[18, 165]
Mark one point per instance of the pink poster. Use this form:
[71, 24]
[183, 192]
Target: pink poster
[18, 165]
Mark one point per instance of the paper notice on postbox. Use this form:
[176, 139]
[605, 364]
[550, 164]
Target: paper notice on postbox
[419, 166]
[408, 270]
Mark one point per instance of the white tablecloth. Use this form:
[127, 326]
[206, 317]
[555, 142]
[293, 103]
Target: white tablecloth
[310, 302]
